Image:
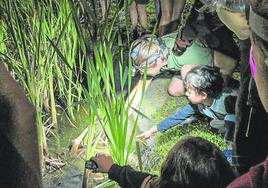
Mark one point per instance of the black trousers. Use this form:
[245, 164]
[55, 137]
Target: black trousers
[251, 134]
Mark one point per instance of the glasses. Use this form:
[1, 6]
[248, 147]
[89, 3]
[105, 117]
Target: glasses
[252, 64]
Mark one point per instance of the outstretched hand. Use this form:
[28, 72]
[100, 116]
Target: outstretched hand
[145, 135]
[103, 161]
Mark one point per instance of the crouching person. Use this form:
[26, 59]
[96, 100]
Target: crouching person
[204, 89]
[192, 163]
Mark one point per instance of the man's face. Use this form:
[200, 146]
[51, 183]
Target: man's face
[193, 96]
[261, 66]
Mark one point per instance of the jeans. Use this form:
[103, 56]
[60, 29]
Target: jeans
[177, 118]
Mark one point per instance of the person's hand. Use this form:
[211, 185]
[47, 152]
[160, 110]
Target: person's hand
[181, 44]
[103, 161]
[147, 134]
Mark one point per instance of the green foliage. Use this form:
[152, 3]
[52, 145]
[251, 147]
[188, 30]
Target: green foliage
[104, 102]
[3, 34]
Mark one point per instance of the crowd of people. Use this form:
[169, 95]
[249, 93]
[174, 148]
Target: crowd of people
[203, 56]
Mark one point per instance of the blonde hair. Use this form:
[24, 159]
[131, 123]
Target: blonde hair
[145, 51]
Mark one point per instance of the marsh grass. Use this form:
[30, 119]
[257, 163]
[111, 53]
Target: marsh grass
[41, 49]
[24, 55]
[106, 102]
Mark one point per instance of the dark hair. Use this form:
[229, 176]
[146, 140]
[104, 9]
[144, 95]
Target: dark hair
[260, 7]
[195, 163]
[206, 79]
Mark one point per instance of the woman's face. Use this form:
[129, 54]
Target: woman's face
[155, 69]
[261, 67]
[236, 22]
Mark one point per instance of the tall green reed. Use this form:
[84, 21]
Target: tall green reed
[24, 55]
[35, 32]
[109, 106]
[3, 34]
[69, 71]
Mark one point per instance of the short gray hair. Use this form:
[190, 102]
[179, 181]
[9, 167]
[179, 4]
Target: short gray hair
[205, 79]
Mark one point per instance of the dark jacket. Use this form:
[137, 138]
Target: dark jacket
[127, 177]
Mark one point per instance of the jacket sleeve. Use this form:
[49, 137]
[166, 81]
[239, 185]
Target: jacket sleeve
[176, 118]
[126, 176]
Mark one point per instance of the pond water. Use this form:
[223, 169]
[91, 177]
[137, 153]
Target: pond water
[71, 175]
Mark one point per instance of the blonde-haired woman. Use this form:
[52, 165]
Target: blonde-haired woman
[155, 56]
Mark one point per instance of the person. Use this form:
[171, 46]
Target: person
[204, 89]
[207, 31]
[137, 11]
[258, 21]
[205, 27]
[251, 129]
[193, 162]
[170, 15]
[256, 177]
[19, 156]
[250, 113]
[257, 133]
[233, 15]
[154, 55]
